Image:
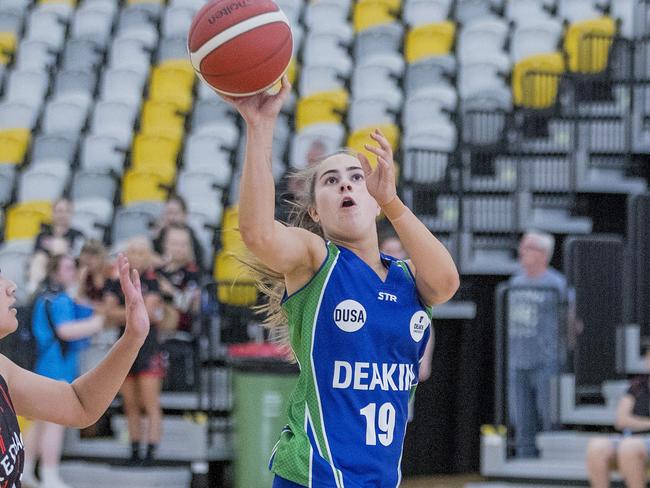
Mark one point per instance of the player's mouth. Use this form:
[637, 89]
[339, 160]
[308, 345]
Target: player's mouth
[348, 202]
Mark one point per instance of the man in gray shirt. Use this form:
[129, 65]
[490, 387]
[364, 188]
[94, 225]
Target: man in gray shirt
[536, 350]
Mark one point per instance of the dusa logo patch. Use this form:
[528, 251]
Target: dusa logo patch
[349, 315]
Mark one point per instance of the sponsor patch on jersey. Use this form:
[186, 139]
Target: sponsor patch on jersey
[419, 323]
[349, 315]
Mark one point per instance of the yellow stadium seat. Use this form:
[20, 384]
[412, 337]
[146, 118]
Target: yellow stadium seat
[142, 186]
[321, 107]
[235, 282]
[587, 44]
[13, 145]
[72, 3]
[394, 5]
[166, 171]
[162, 118]
[173, 82]
[154, 148]
[230, 237]
[371, 13]
[359, 137]
[429, 40]
[7, 46]
[535, 80]
[24, 219]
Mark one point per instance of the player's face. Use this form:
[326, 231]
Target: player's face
[62, 213]
[343, 206]
[8, 321]
[138, 252]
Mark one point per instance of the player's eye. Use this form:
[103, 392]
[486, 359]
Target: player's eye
[331, 180]
[357, 177]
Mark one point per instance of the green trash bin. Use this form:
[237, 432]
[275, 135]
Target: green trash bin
[261, 389]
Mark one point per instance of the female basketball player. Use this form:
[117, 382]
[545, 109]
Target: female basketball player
[78, 404]
[358, 321]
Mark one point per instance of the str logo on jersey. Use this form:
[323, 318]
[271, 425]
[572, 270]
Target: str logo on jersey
[419, 323]
[387, 297]
[349, 315]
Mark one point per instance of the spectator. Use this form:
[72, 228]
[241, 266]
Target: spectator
[141, 389]
[630, 448]
[180, 278]
[93, 272]
[175, 213]
[534, 353]
[60, 327]
[58, 238]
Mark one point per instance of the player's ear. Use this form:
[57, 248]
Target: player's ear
[313, 213]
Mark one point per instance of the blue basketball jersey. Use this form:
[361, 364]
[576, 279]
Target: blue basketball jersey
[358, 341]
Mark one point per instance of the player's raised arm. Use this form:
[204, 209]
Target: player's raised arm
[436, 275]
[281, 248]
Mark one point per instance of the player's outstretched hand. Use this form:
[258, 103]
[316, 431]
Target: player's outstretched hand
[262, 107]
[380, 181]
[137, 319]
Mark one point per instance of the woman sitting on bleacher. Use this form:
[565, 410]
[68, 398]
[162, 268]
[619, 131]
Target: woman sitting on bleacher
[629, 451]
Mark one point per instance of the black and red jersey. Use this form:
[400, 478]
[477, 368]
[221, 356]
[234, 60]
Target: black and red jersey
[12, 454]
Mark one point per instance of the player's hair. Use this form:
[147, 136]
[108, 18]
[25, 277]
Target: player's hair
[271, 283]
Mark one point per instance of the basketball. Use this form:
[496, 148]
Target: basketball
[240, 47]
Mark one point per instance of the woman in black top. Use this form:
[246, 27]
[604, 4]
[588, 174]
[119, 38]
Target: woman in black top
[630, 449]
[78, 404]
[180, 277]
[141, 389]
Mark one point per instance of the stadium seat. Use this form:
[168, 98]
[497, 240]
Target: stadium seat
[326, 12]
[81, 54]
[535, 80]
[536, 36]
[102, 153]
[46, 181]
[330, 135]
[482, 35]
[142, 186]
[7, 46]
[130, 222]
[483, 70]
[197, 185]
[369, 110]
[624, 12]
[377, 79]
[53, 147]
[380, 41]
[370, 13]
[467, 11]
[438, 134]
[172, 81]
[324, 107]
[578, 10]
[7, 178]
[320, 77]
[428, 72]
[65, 116]
[24, 220]
[27, 86]
[154, 148]
[172, 49]
[359, 137]
[429, 40]
[114, 119]
[130, 54]
[46, 27]
[162, 118]
[522, 11]
[13, 145]
[235, 283]
[92, 23]
[93, 185]
[17, 115]
[418, 12]
[427, 105]
[68, 81]
[35, 55]
[144, 33]
[203, 150]
[122, 85]
[484, 116]
[587, 45]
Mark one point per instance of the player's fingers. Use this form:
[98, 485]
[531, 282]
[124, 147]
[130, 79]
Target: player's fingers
[381, 139]
[375, 150]
[365, 164]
